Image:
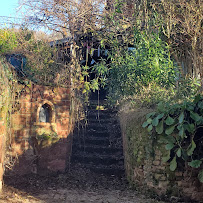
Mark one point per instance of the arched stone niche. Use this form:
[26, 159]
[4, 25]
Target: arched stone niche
[45, 113]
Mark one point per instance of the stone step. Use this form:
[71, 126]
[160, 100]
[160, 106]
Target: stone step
[103, 149]
[97, 150]
[95, 159]
[94, 140]
[99, 120]
[99, 115]
[95, 146]
[94, 128]
[113, 169]
[97, 132]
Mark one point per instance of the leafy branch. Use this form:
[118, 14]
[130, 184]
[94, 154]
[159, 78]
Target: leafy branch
[176, 126]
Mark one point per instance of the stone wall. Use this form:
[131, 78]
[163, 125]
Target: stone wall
[41, 147]
[144, 165]
[2, 150]
[5, 107]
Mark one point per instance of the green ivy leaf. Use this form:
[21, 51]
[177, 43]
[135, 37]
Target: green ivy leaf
[160, 116]
[160, 127]
[149, 120]
[190, 127]
[169, 146]
[167, 157]
[200, 176]
[169, 121]
[161, 106]
[181, 117]
[170, 130]
[149, 128]
[145, 124]
[195, 116]
[155, 121]
[191, 148]
[173, 164]
[167, 139]
[181, 132]
[179, 152]
[184, 155]
[200, 105]
[197, 98]
[195, 163]
[150, 114]
[190, 108]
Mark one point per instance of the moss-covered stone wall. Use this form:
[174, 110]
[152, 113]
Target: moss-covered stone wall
[144, 165]
[5, 109]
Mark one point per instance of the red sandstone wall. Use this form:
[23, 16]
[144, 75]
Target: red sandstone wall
[41, 147]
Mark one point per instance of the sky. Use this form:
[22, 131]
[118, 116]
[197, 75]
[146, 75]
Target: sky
[7, 8]
[8, 13]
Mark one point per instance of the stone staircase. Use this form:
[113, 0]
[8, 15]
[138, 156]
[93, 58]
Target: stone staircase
[98, 144]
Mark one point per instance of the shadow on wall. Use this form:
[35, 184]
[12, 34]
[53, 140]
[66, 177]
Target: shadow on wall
[41, 130]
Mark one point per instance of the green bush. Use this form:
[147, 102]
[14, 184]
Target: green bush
[8, 40]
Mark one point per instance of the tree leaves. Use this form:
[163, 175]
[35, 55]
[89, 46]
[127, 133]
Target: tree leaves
[195, 116]
[160, 127]
[170, 130]
[169, 146]
[191, 148]
[173, 164]
[179, 152]
[181, 117]
[195, 163]
[169, 121]
[200, 176]
[155, 121]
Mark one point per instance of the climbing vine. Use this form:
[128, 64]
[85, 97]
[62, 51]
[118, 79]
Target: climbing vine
[179, 127]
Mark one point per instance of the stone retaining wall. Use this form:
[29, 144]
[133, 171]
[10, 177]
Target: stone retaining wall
[41, 147]
[144, 165]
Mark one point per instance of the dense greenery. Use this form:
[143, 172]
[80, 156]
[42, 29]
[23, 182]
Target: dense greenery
[41, 60]
[149, 62]
[8, 40]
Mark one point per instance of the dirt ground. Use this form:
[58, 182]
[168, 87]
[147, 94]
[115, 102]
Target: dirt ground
[76, 186]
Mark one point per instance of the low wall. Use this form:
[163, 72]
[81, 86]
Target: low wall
[144, 165]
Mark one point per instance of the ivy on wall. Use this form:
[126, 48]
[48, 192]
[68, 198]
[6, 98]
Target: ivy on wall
[179, 128]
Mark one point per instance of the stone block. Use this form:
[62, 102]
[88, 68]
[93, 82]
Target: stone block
[188, 191]
[161, 168]
[163, 184]
[62, 126]
[2, 129]
[159, 176]
[157, 152]
[156, 163]
[25, 108]
[179, 174]
[63, 133]
[18, 121]
[157, 157]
